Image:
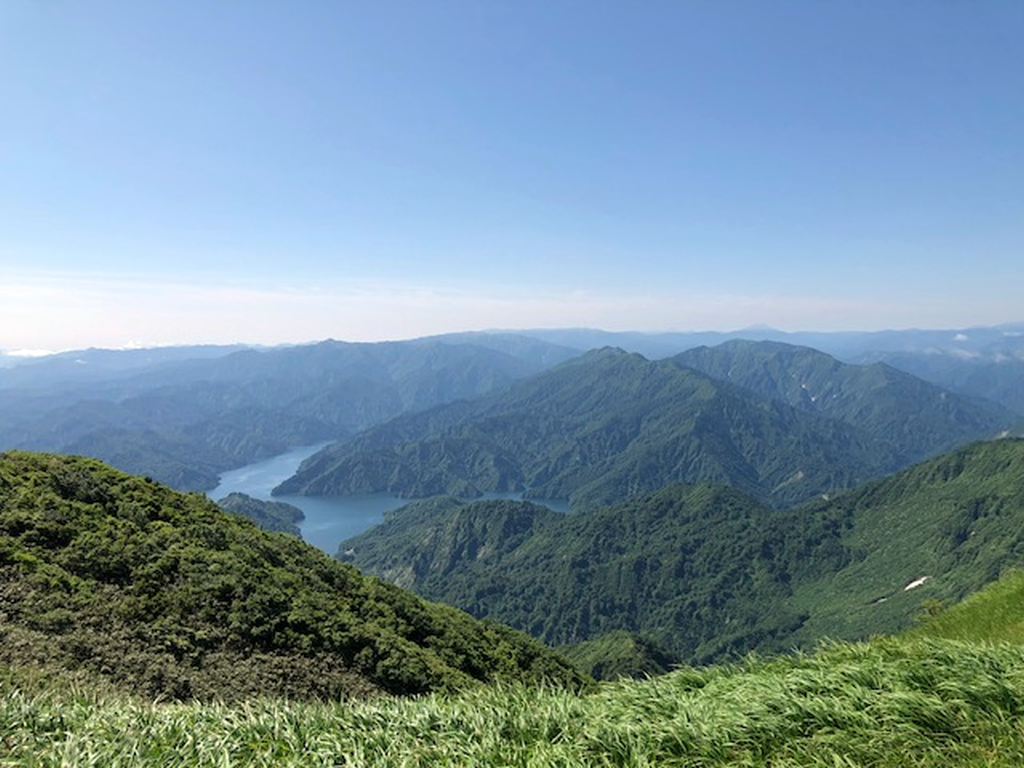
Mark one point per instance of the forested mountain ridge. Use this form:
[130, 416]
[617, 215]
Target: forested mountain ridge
[274, 516]
[163, 594]
[709, 572]
[668, 564]
[985, 362]
[183, 415]
[184, 421]
[997, 376]
[917, 418]
[599, 428]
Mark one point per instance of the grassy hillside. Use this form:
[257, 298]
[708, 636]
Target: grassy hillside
[709, 572]
[895, 703]
[596, 430]
[994, 614]
[165, 594]
[950, 525]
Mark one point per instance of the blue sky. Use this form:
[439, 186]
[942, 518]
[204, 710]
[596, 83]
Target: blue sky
[282, 172]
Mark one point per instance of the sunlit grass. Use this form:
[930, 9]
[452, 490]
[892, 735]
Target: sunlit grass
[888, 703]
[991, 615]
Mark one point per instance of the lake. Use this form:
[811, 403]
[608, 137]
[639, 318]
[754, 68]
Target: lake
[329, 520]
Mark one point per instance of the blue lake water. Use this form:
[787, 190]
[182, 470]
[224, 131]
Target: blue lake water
[329, 520]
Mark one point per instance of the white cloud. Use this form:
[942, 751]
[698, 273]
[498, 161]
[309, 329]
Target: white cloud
[28, 352]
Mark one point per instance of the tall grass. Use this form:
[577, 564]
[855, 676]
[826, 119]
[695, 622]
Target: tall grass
[888, 703]
[991, 615]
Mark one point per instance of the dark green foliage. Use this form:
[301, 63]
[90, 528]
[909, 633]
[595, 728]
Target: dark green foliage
[621, 654]
[596, 430]
[704, 570]
[165, 594]
[709, 572]
[268, 515]
[430, 540]
[916, 418]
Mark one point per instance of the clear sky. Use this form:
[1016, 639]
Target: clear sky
[269, 172]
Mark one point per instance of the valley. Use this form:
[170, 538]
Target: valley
[708, 572]
[753, 497]
[326, 521]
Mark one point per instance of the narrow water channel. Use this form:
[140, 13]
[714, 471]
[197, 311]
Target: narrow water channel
[329, 520]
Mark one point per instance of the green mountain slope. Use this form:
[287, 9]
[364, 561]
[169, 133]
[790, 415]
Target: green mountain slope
[916, 418]
[703, 570]
[165, 594]
[993, 614]
[621, 654]
[709, 572]
[268, 515]
[994, 374]
[949, 525]
[598, 429]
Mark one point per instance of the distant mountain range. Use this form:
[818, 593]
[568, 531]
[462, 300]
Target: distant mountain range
[183, 415]
[986, 362]
[917, 418]
[709, 572]
[609, 424]
[980, 343]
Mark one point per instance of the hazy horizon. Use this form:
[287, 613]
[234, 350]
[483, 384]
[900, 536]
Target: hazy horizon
[262, 174]
[1012, 329]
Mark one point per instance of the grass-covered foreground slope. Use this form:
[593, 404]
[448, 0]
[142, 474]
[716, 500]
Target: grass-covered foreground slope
[888, 703]
[164, 594]
[709, 572]
[994, 614]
